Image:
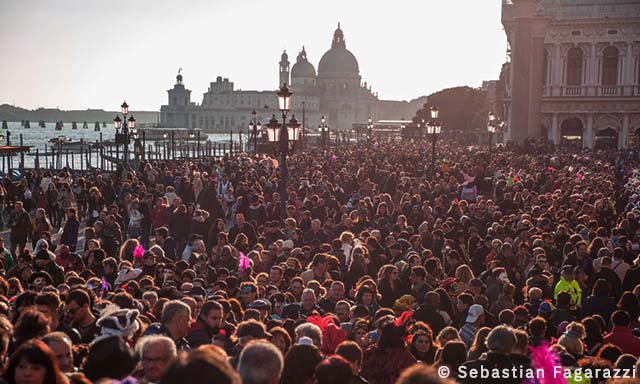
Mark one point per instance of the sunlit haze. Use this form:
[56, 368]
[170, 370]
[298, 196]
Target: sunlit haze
[93, 54]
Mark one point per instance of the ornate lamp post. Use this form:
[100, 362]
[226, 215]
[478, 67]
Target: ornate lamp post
[285, 135]
[491, 128]
[433, 128]
[128, 128]
[254, 127]
[370, 128]
[324, 130]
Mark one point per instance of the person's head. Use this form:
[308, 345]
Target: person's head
[176, 317]
[300, 363]
[200, 366]
[248, 292]
[311, 331]
[31, 324]
[620, 318]
[501, 340]
[342, 310]
[421, 374]
[418, 274]
[61, 345]
[422, 341]
[48, 303]
[352, 352]
[454, 354]
[260, 362]
[78, 304]
[156, 353]
[522, 342]
[281, 339]
[308, 299]
[33, 362]
[276, 273]
[212, 314]
[336, 291]
[334, 370]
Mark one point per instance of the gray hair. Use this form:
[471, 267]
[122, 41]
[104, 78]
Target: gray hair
[172, 309]
[56, 337]
[311, 331]
[501, 339]
[157, 340]
[260, 362]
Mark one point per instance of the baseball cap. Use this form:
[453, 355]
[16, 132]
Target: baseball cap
[260, 304]
[545, 307]
[475, 311]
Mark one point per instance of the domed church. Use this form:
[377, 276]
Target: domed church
[344, 98]
[335, 91]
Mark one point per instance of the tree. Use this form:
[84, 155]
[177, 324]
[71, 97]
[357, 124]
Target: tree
[463, 112]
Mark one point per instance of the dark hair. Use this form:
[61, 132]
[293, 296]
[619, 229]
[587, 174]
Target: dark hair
[80, 296]
[35, 352]
[391, 336]
[299, 364]
[333, 370]
[209, 306]
[621, 318]
[601, 288]
[609, 352]
[351, 351]
[419, 271]
[200, 366]
[31, 325]
[537, 326]
[49, 299]
[454, 354]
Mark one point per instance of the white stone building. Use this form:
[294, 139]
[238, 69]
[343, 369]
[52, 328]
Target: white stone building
[336, 91]
[574, 71]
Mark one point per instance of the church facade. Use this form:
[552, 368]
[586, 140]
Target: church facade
[336, 91]
[574, 71]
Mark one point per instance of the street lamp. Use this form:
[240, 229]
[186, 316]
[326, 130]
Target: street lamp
[402, 127]
[254, 127]
[370, 128]
[433, 129]
[128, 129]
[323, 131]
[491, 128]
[284, 135]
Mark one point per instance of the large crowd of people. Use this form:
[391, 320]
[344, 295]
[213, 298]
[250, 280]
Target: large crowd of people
[384, 270]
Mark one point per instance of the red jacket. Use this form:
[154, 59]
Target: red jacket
[624, 338]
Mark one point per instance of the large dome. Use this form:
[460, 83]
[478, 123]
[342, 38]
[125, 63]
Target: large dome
[302, 67]
[338, 59]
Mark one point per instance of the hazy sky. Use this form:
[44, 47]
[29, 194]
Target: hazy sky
[78, 54]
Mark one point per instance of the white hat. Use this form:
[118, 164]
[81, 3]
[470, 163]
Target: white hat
[287, 244]
[475, 311]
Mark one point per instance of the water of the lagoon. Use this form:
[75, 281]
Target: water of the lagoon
[38, 138]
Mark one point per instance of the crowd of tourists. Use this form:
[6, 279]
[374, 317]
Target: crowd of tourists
[384, 270]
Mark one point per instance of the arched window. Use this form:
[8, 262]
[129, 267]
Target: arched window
[610, 66]
[545, 67]
[574, 66]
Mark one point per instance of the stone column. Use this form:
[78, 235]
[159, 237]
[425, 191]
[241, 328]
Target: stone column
[556, 79]
[592, 70]
[624, 132]
[539, 26]
[521, 69]
[628, 69]
[555, 129]
[589, 137]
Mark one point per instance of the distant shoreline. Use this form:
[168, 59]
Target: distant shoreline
[11, 113]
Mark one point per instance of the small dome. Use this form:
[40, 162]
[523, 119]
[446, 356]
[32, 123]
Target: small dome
[302, 67]
[284, 56]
